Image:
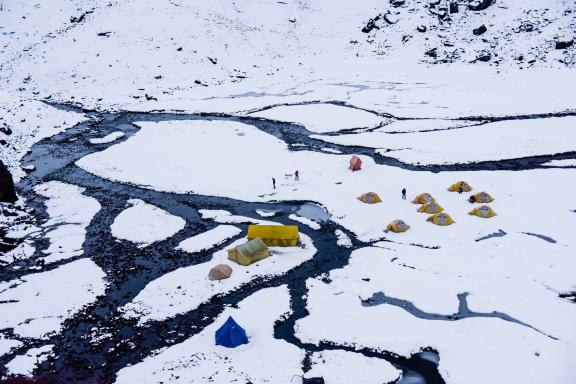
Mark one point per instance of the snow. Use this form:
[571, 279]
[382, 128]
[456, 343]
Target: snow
[37, 305]
[263, 360]
[349, 367]
[108, 138]
[494, 141]
[7, 344]
[266, 213]
[343, 240]
[209, 239]
[225, 217]
[144, 224]
[322, 118]
[303, 220]
[497, 351]
[561, 163]
[176, 292]
[70, 212]
[25, 364]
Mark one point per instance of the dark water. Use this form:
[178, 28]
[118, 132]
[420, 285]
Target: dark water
[78, 358]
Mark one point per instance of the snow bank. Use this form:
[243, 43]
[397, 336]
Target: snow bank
[36, 305]
[224, 217]
[70, 213]
[186, 288]
[495, 350]
[108, 138]
[338, 367]
[303, 220]
[509, 139]
[263, 360]
[144, 224]
[6, 345]
[322, 118]
[25, 364]
[209, 239]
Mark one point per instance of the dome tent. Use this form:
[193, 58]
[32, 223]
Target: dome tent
[220, 272]
[481, 197]
[423, 198]
[430, 208]
[461, 184]
[355, 163]
[230, 334]
[441, 219]
[397, 226]
[249, 252]
[370, 198]
[483, 211]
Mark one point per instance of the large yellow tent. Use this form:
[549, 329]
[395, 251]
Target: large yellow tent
[249, 252]
[370, 198]
[275, 235]
[430, 208]
[461, 184]
[441, 219]
[482, 197]
[397, 226]
[483, 211]
[423, 198]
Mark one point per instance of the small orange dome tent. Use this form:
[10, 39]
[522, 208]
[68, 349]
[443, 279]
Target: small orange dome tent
[370, 198]
[461, 184]
[397, 226]
[441, 219]
[423, 198]
[481, 197]
[483, 211]
[355, 163]
[430, 208]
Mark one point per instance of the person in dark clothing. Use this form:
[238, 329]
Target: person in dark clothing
[296, 175]
[274, 183]
[403, 193]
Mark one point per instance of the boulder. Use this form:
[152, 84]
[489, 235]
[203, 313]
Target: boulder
[7, 191]
[564, 44]
[421, 28]
[480, 30]
[480, 5]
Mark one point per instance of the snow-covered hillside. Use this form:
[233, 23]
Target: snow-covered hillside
[144, 136]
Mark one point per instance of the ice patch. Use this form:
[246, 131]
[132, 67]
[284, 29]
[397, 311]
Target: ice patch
[209, 239]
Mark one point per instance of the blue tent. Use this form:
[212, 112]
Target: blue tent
[231, 335]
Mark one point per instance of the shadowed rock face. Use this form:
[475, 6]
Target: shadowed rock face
[7, 192]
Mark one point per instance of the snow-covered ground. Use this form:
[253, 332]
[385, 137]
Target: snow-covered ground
[409, 86]
[177, 292]
[70, 213]
[144, 224]
[264, 359]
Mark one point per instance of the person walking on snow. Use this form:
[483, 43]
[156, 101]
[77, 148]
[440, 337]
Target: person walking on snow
[296, 175]
[274, 183]
[403, 193]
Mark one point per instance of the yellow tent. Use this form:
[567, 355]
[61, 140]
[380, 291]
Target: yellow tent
[275, 235]
[430, 208]
[370, 198]
[397, 226]
[249, 252]
[483, 211]
[423, 198]
[461, 184]
[481, 197]
[441, 219]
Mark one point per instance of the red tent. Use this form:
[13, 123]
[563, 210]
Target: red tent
[355, 163]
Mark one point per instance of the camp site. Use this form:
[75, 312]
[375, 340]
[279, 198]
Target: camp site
[287, 192]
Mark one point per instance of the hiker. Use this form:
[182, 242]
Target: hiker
[274, 183]
[403, 193]
[296, 175]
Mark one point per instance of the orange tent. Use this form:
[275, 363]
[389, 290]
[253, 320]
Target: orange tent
[355, 163]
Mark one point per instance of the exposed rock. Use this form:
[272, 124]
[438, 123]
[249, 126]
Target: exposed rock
[453, 7]
[397, 3]
[480, 5]
[7, 191]
[432, 53]
[564, 44]
[421, 28]
[480, 30]
[484, 57]
[369, 26]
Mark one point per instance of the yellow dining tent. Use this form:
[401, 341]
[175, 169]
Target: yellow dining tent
[275, 235]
